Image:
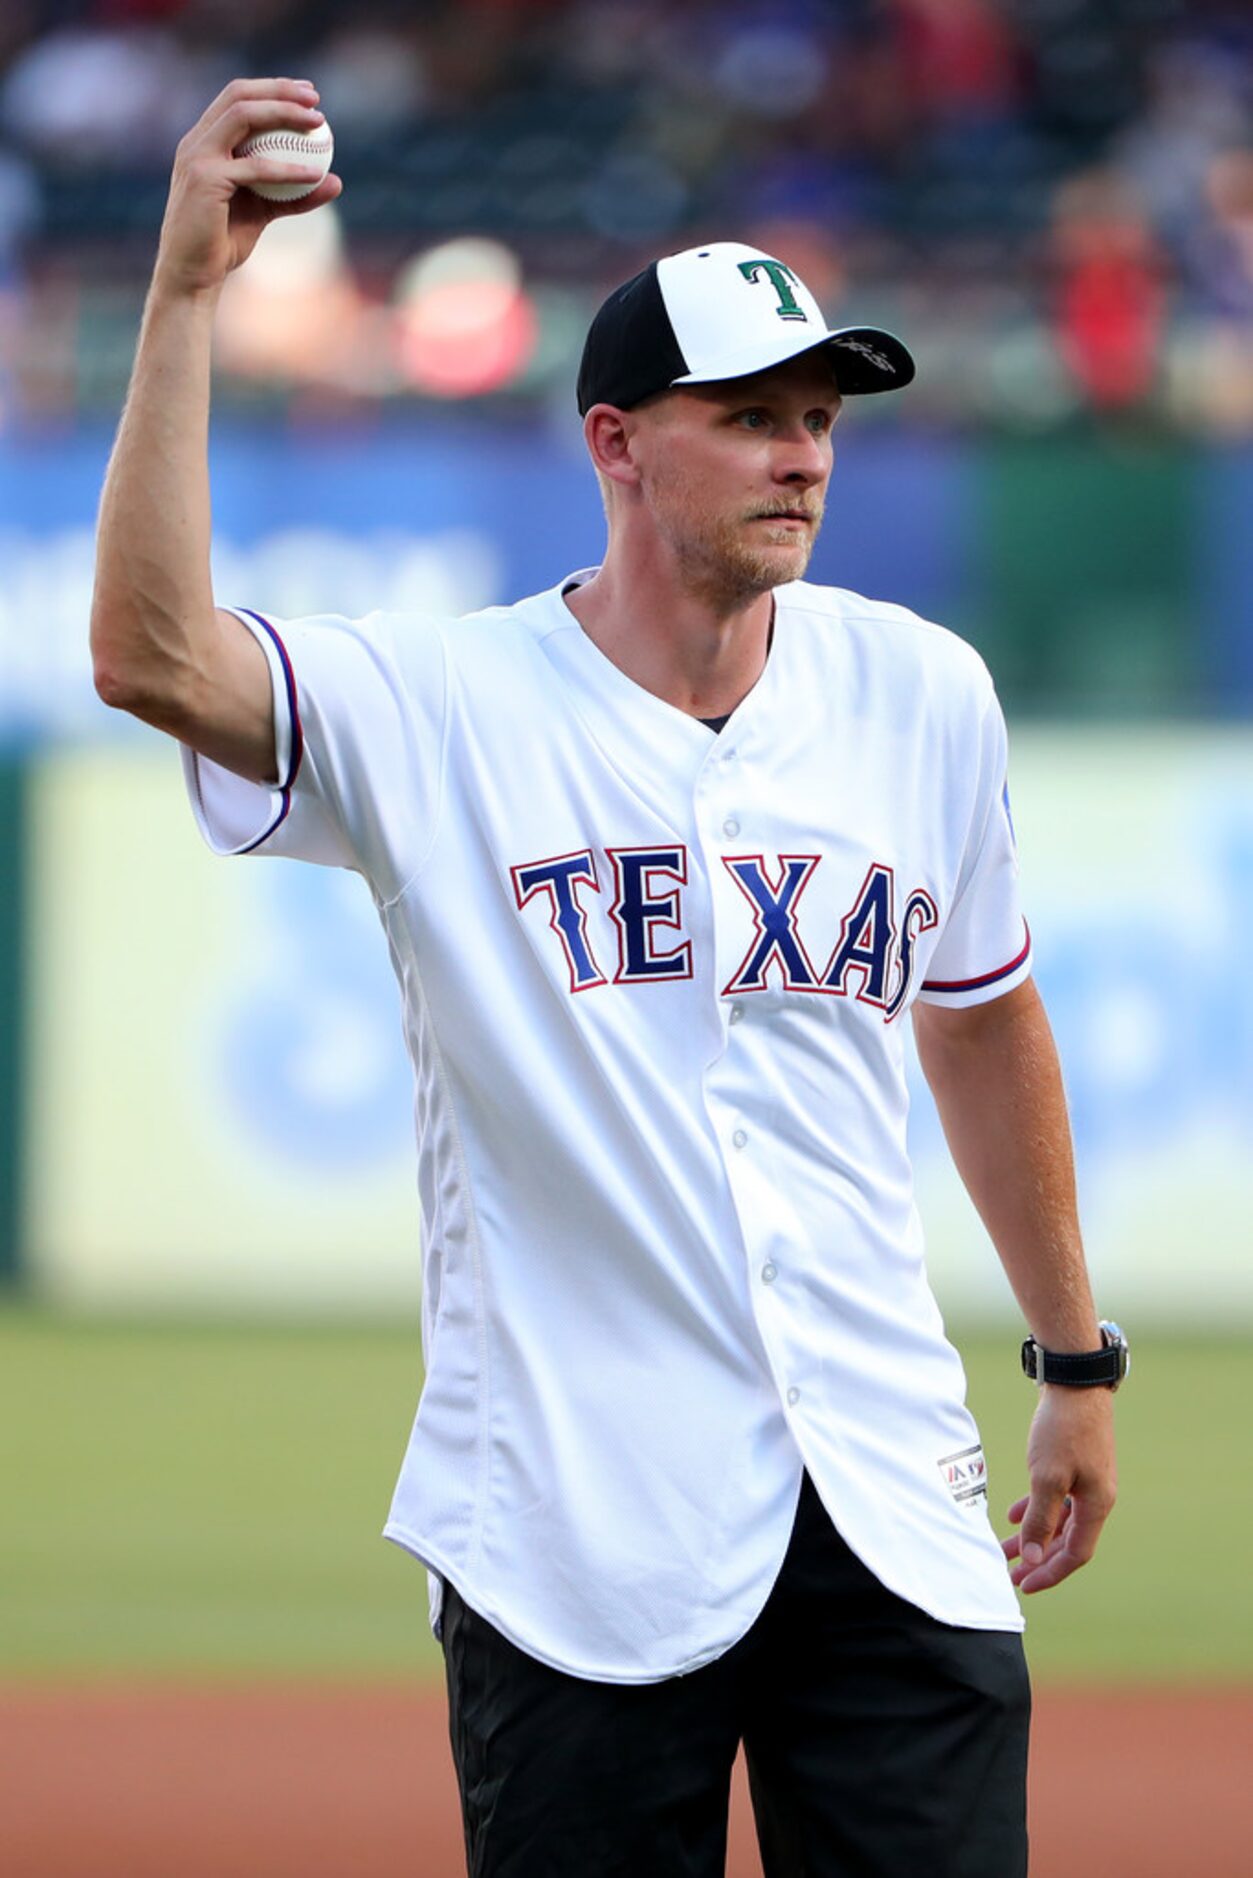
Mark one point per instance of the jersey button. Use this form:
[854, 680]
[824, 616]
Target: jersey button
[739, 1139]
[737, 1011]
[730, 826]
[793, 1396]
[769, 1272]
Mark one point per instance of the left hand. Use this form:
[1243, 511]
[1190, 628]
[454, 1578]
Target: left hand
[1070, 1460]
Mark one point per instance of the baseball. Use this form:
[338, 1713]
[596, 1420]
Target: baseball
[291, 146]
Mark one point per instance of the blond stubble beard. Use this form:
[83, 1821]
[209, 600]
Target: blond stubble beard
[717, 564]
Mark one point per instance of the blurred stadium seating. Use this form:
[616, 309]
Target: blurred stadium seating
[1054, 197]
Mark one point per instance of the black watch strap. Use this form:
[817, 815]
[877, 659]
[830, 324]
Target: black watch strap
[1084, 1369]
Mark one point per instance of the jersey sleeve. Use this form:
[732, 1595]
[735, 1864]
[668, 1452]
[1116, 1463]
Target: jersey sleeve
[984, 947]
[359, 709]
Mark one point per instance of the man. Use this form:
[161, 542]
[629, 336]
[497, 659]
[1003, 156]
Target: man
[664, 856]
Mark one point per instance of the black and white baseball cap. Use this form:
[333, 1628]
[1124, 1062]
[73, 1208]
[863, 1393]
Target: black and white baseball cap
[722, 311]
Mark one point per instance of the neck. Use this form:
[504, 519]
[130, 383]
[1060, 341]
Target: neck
[699, 651]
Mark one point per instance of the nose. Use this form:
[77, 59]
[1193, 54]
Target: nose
[803, 457]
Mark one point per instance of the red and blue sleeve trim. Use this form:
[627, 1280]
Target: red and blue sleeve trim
[297, 732]
[987, 978]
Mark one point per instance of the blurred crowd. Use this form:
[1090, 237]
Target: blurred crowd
[1051, 199]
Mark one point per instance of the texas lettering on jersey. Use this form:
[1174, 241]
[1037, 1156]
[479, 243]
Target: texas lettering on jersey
[871, 957]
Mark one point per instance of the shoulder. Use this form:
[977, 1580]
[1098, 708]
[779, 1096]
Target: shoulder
[414, 641]
[498, 645]
[422, 658]
[882, 631]
[383, 634]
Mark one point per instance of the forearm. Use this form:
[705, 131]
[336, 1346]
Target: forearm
[152, 611]
[994, 1074]
[159, 647]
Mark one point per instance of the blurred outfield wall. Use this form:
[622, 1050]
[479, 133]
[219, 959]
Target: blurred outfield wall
[215, 1109]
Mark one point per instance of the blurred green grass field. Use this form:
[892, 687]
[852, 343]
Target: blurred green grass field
[205, 1501]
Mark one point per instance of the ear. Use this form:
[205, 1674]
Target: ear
[608, 433]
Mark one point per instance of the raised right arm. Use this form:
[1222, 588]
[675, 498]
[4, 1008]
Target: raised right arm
[160, 648]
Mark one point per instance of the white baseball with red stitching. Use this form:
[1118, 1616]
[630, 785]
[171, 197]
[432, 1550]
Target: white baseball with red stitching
[290, 146]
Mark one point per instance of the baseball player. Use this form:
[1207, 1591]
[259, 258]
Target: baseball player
[666, 858]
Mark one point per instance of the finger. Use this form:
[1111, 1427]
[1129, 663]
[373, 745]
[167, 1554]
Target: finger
[1012, 1546]
[252, 115]
[1072, 1547]
[1084, 1519]
[240, 90]
[224, 130]
[328, 190]
[1045, 1512]
[1024, 1569]
[1058, 1564]
[263, 169]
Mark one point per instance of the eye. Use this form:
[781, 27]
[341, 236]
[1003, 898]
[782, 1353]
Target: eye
[819, 422]
[752, 420]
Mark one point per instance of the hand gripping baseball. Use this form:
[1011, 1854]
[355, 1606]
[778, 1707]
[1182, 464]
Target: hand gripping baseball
[212, 219]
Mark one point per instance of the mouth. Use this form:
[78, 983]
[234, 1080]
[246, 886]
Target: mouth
[786, 518]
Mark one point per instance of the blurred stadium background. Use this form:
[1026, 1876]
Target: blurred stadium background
[204, 1109]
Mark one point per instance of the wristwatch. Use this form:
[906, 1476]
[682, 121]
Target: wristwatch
[1086, 1369]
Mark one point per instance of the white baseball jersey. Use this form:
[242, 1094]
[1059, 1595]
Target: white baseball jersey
[655, 985]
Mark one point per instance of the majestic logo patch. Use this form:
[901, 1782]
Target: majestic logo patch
[966, 1475]
[780, 278]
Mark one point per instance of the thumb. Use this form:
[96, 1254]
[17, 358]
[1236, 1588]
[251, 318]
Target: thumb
[1045, 1510]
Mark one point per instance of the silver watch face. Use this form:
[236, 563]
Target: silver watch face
[1113, 1339]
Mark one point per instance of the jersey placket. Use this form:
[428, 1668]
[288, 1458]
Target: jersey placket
[773, 1237]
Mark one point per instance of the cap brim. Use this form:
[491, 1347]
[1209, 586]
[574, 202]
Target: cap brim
[864, 359]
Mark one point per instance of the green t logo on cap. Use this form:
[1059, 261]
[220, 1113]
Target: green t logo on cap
[780, 276]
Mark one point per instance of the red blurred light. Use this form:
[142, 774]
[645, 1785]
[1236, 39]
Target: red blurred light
[465, 338]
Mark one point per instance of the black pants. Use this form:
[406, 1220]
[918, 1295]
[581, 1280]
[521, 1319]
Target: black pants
[879, 1742]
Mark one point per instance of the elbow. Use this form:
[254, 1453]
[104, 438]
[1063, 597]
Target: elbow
[119, 684]
[111, 671]
[113, 685]
[126, 685]
[127, 676]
